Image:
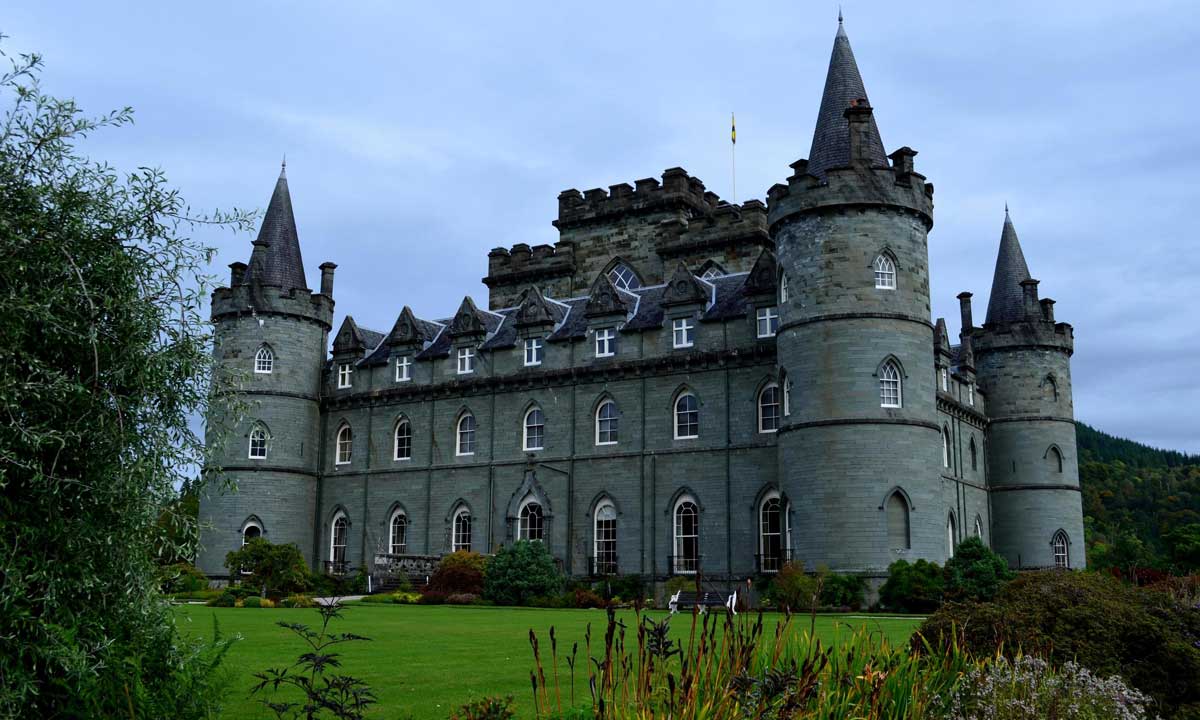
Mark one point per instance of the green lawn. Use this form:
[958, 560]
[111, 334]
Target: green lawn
[423, 661]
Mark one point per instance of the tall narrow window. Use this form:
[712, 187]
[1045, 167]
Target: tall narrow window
[974, 455]
[531, 523]
[768, 409]
[606, 342]
[1054, 459]
[687, 537]
[398, 533]
[1050, 389]
[533, 352]
[624, 277]
[338, 535]
[768, 322]
[885, 273]
[897, 522]
[687, 417]
[466, 435]
[681, 331]
[946, 379]
[783, 288]
[1062, 555]
[606, 423]
[402, 449]
[466, 361]
[345, 445]
[772, 540]
[461, 539]
[787, 395]
[344, 372]
[403, 368]
[605, 539]
[258, 444]
[978, 527]
[951, 536]
[890, 392]
[535, 429]
[264, 361]
[945, 447]
[971, 394]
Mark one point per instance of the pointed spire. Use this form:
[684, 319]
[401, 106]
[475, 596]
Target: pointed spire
[843, 85]
[282, 265]
[1007, 302]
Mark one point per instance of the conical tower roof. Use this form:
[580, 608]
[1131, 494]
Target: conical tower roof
[831, 139]
[282, 264]
[1007, 302]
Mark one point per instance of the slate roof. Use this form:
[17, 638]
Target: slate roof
[282, 264]
[831, 138]
[1007, 301]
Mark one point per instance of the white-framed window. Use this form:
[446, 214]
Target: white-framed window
[402, 447]
[607, 423]
[885, 273]
[687, 417]
[681, 333]
[1062, 552]
[768, 322]
[624, 277]
[605, 539]
[339, 532]
[951, 536]
[398, 533]
[258, 444]
[466, 361]
[531, 522]
[768, 409]
[466, 435]
[971, 394]
[533, 352]
[345, 445]
[783, 288]
[945, 447]
[946, 379]
[712, 272]
[535, 429]
[344, 372]
[897, 522]
[787, 396]
[773, 539]
[978, 527]
[686, 560]
[251, 531]
[606, 342]
[461, 532]
[403, 368]
[264, 361]
[890, 393]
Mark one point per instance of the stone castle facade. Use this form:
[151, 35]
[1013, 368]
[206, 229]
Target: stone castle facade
[679, 385]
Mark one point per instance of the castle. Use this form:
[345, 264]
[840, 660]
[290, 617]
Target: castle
[679, 385]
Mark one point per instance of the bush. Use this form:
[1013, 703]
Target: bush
[794, 589]
[1110, 628]
[588, 599]
[677, 583]
[225, 599]
[297, 601]
[272, 568]
[489, 708]
[464, 558]
[456, 579]
[432, 597]
[181, 578]
[520, 572]
[556, 601]
[843, 591]
[205, 595]
[254, 601]
[462, 599]
[630, 588]
[912, 587]
[975, 572]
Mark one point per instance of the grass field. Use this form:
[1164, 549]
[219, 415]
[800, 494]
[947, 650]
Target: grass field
[423, 661]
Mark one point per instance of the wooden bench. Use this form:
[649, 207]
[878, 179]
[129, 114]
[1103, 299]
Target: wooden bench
[685, 599]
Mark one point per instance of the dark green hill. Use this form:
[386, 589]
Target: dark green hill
[1097, 446]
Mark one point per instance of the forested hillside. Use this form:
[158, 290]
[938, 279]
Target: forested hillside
[1141, 505]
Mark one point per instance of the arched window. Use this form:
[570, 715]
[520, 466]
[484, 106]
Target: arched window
[1062, 551]
[258, 444]
[606, 423]
[885, 273]
[974, 455]
[891, 395]
[461, 539]
[264, 361]
[945, 447]
[687, 416]
[1050, 389]
[345, 445]
[398, 533]
[951, 536]
[466, 435]
[713, 271]
[251, 531]
[1054, 460]
[783, 287]
[687, 537]
[624, 277]
[897, 522]
[402, 449]
[339, 532]
[535, 429]
[786, 382]
[772, 534]
[978, 527]
[768, 409]
[605, 539]
[531, 522]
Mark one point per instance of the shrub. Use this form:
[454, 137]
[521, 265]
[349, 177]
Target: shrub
[588, 599]
[676, 583]
[975, 572]
[464, 558]
[630, 588]
[297, 601]
[225, 599]
[489, 708]
[271, 568]
[181, 578]
[519, 572]
[557, 601]
[205, 594]
[794, 589]
[912, 587]
[254, 601]
[843, 591]
[457, 579]
[432, 597]
[462, 599]
[1108, 627]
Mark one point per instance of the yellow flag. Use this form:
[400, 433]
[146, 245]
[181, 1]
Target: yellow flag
[732, 128]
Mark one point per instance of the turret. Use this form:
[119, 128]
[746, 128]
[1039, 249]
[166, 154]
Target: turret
[269, 337]
[1023, 365]
[859, 439]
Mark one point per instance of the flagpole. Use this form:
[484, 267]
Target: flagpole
[733, 153]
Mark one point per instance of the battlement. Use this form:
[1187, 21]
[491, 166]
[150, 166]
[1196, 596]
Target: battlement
[524, 264]
[1030, 333]
[246, 299]
[725, 225]
[897, 187]
[677, 190]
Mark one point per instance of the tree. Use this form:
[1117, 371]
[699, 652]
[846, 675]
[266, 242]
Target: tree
[274, 568]
[1183, 544]
[520, 572]
[912, 587]
[104, 359]
[975, 572]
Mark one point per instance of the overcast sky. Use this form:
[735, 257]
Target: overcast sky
[420, 135]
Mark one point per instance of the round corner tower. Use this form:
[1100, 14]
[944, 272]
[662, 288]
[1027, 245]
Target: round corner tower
[1023, 365]
[859, 447]
[270, 332]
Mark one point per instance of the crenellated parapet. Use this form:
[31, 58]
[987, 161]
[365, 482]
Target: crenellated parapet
[1036, 330]
[522, 263]
[266, 300]
[678, 190]
[727, 225]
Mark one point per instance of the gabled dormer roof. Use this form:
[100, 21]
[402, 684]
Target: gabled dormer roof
[764, 275]
[605, 299]
[1007, 301]
[468, 320]
[941, 336]
[407, 330]
[684, 289]
[280, 263]
[349, 339]
[533, 309]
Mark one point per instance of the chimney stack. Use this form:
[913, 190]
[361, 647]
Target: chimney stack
[964, 309]
[1030, 291]
[327, 269]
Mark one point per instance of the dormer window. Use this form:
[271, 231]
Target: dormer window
[885, 273]
[344, 372]
[682, 333]
[533, 352]
[624, 277]
[403, 368]
[466, 361]
[606, 342]
[768, 322]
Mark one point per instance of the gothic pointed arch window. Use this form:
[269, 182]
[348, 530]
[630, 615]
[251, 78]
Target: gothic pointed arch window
[258, 443]
[783, 287]
[891, 392]
[769, 405]
[1054, 459]
[398, 532]
[345, 445]
[1050, 388]
[339, 535]
[687, 416]
[896, 509]
[1061, 546]
[885, 272]
[773, 536]
[460, 538]
[623, 276]
[951, 535]
[402, 441]
[531, 521]
[605, 539]
[974, 454]
[264, 361]
[945, 447]
[979, 527]
[686, 560]
[607, 422]
[534, 434]
[465, 444]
